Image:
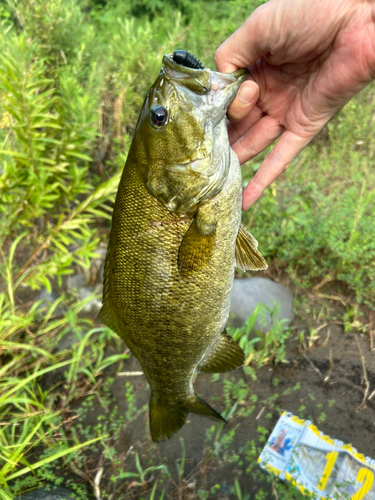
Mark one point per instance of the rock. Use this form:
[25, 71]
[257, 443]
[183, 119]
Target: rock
[47, 299]
[55, 493]
[90, 310]
[46, 296]
[248, 293]
[97, 265]
[75, 281]
[70, 338]
[101, 273]
[93, 307]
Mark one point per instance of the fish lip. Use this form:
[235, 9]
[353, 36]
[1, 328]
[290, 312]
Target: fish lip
[240, 75]
[168, 60]
[226, 85]
[237, 77]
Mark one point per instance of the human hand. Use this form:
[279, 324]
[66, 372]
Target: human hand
[306, 59]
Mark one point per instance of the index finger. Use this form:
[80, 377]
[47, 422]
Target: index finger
[279, 158]
[247, 44]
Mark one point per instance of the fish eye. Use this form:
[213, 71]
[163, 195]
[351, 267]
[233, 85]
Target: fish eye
[158, 116]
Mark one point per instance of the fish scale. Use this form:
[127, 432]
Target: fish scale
[169, 273]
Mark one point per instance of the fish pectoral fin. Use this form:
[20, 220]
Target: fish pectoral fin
[248, 257]
[166, 420]
[197, 247]
[225, 356]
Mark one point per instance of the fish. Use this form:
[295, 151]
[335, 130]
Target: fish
[176, 238]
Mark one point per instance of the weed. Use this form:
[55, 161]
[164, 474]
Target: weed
[180, 463]
[238, 492]
[73, 76]
[141, 473]
[262, 348]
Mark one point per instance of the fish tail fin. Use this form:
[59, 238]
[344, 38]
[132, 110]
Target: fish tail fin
[166, 420]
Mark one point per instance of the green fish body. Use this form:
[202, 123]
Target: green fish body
[175, 240]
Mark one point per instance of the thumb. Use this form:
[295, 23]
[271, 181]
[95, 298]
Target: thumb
[247, 44]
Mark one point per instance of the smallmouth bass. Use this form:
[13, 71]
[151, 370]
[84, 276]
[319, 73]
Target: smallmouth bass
[175, 240]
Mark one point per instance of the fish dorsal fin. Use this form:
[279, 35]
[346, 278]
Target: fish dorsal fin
[248, 257]
[223, 357]
[196, 248]
[166, 420]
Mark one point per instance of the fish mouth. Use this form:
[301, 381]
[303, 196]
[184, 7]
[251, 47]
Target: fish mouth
[240, 75]
[224, 86]
[187, 70]
[205, 79]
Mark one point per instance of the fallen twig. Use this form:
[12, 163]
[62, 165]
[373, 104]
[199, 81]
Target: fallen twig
[274, 491]
[97, 479]
[327, 338]
[129, 374]
[324, 282]
[260, 413]
[371, 328]
[363, 404]
[320, 327]
[326, 378]
[313, 366]
[332, 297]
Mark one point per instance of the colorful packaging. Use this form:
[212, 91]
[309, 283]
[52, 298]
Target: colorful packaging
[319, 466]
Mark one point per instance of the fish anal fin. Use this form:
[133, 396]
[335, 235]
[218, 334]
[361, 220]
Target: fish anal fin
[223, 357]
[199, 406]
[196, 248]
[166, 420]
[248, 257]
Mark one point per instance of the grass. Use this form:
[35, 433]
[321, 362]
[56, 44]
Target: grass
[324, 203]
[73, 75]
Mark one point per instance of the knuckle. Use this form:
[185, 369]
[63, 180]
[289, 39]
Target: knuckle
[277, 159]
[218, 55]
[258, 185]
[247, 146]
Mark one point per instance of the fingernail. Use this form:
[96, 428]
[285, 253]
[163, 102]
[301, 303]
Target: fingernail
[246, 94]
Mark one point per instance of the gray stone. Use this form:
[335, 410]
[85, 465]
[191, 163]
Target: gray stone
[91, 310]
[248, 293]
[47, 299]
[97, 264]
[101, 273]
[67, 341]
[75, 281]
[93, 307]
[47, 296]
[55, 493]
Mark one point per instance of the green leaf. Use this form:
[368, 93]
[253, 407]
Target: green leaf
[53, 458]
[16, 154]
[76, 154]
[4, 496]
